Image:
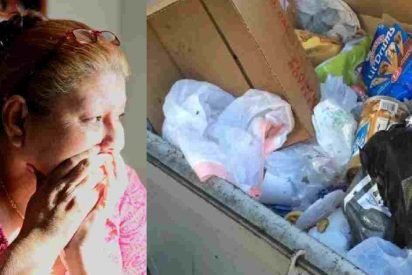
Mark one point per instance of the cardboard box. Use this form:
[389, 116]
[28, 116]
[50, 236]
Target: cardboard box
[235, 44]
[374, 12]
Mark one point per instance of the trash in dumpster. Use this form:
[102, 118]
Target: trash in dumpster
[320, 209]
[317, 47]
[347, 63]
[337, 234]
[350, 187]
[295, 176]
[226, 137]
[379, 257]
[293, 216]
[190, 106]
[336, 90]
[378, 114]
[333, 18]
[334, 124]
[322, 225]
[281, 210]
[388, 68]
[365, 210]
[388, 160]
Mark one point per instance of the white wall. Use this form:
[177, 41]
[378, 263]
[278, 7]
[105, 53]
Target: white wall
[127, 19]
[99, 14]
[133, 30]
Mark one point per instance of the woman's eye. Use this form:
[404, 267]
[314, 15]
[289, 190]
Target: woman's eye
[95, 119]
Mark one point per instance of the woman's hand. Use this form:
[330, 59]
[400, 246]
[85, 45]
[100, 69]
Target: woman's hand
[54, 213]
[63, 199]
[87, 249]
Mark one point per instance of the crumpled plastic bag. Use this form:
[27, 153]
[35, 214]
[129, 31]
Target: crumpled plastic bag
[334, 124]
[337, 235]
[295, 176]
[387, 159]
[226, 137]
[191, 106]
[376, 256]
[321, 209]
[333, 18]
[336, 90]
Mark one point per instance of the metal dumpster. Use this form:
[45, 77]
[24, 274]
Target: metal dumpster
[215, 228]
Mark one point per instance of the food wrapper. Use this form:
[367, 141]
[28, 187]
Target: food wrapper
[318, 47]
[388, 68]
[347, 62]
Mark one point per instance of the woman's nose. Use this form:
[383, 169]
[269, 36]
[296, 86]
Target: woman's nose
[110, 138]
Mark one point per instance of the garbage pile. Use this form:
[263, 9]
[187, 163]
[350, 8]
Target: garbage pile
[351, 186]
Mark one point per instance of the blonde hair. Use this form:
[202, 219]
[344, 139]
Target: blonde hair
[36, 66]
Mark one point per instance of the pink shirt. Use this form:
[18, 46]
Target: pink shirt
[126, 230]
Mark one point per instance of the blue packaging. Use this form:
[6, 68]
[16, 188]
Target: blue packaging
[387, 70]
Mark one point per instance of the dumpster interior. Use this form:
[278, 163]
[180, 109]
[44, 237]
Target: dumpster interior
[303, 105]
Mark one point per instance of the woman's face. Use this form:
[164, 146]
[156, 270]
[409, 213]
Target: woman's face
[88, 116]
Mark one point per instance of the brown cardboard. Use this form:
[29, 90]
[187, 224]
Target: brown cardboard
[161, 74]
[235, 44]
[388, 19]
[372, 8]
[374, 12]
[399, 10]
[195, 45]
[369, 23]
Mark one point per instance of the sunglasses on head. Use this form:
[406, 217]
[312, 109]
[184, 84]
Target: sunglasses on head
[83, 36]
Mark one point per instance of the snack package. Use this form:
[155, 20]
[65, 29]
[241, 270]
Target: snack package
[388, 68]
[379, 114]
[318, 47]
[345, 64]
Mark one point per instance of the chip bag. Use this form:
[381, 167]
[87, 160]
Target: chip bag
[345, 64]
[388, 68]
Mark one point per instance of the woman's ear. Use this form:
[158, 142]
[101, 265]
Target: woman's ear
[14, 114]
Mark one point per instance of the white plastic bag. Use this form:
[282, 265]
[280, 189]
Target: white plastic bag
[334, 124]
[379, 257]
[335, 90]
[295, 176]
[223, 137]
[263, 115]
[333, 18]
[191, 106]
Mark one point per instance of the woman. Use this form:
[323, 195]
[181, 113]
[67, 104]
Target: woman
[68, 203]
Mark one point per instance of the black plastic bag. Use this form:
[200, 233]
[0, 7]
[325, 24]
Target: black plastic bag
[387, 158]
